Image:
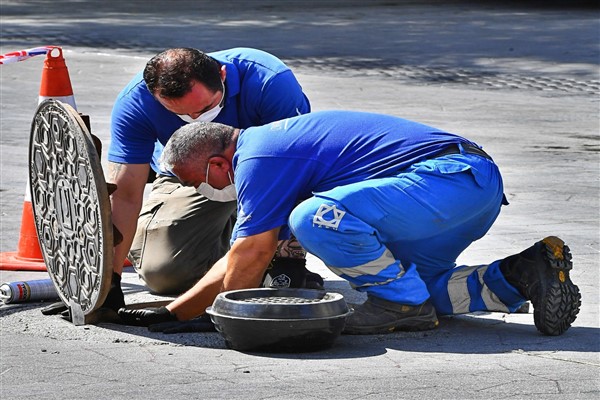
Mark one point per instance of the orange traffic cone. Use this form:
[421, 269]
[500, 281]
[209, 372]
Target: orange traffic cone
[55, 84]
[28, 257]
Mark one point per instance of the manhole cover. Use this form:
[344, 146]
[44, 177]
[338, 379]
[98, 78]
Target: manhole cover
[71, 207]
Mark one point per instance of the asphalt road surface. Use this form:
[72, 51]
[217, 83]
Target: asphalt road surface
[519, 78]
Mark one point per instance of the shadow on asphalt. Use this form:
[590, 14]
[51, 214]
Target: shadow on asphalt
[416, 33]
[463, 334]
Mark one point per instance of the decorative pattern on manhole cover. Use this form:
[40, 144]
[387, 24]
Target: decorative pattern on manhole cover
[71, 206]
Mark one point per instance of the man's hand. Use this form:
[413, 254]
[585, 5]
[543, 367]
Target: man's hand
[114, 300]
[55, 308]
[146, 316]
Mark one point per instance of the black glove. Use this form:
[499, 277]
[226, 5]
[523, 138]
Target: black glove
[146, 316]
[199, 324]
[114, 300]
[55, 308]
[58, 308]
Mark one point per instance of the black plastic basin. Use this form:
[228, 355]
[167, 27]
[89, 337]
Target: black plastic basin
[279, 320]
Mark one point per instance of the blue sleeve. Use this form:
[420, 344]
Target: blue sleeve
[132, 133]
[282, 98]
[138, 122]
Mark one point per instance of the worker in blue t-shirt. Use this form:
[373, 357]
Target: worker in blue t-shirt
[179, 234]
[386, 203]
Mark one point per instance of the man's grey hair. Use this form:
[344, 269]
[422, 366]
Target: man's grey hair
[193, 144]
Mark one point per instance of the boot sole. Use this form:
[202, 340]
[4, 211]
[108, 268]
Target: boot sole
[559, 301]
[412, 324]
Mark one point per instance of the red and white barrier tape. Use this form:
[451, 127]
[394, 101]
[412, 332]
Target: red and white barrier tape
[16, 56]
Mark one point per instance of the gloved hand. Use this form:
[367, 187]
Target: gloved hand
[58, 308]
[199, 324]
[114, 300]
[291, 273]
[55, 308]
[146, 316]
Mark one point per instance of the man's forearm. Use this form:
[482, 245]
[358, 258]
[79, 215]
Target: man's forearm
[248, 260]
[242, 267]
[125, 216]
[246, 269]
[195, 301]
[126, 203]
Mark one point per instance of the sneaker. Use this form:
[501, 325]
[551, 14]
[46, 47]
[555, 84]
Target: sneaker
[382, 316]
[541, 274]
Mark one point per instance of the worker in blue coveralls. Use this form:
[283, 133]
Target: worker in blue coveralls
[386, 203]
[179, 233]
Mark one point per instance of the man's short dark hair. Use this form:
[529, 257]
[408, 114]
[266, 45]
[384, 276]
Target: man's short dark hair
[170, 74]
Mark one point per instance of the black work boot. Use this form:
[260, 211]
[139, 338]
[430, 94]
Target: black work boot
[382, 316]
[541, 274]
[291, 273]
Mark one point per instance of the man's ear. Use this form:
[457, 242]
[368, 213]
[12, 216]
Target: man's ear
[219, 162]
[223, 73]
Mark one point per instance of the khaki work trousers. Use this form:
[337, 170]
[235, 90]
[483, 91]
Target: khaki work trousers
[180, 235]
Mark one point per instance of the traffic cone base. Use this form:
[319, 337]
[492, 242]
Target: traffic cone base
[10, 261]
[28, 257]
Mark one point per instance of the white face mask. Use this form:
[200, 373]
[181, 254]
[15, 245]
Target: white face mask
[224, 195]
[209, 115]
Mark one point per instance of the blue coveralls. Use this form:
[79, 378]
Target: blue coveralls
[406, 248]
[396, 237]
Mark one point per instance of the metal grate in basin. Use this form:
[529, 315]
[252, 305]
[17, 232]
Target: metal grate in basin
[283, 300]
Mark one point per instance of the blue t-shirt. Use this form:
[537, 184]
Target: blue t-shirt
[280, 164]
[259, 89]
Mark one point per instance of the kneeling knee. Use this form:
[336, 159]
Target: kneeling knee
[165, 280]
[313, 219]
[300, 220]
